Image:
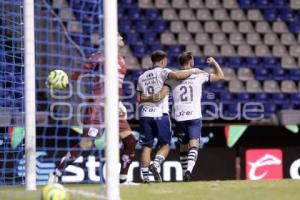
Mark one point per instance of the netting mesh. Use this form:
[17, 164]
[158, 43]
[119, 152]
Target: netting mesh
[66, 33]
[11, 90]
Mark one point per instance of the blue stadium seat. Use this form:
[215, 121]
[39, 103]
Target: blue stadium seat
[173, 63]
[139, 50]
[279, 74]
[261, 97]
[155, 46]
[270, 15]
[132, 38]
[88, 18]
[294, 74]
[270, 62]
[253, 62]
[160, 26]
[269, 109]
[261, 74]
[76, 4]
[279, 3]
[19, 103]
[200, 61]
[262, 4]
[287, 15]
[121, 13]
[152, 14]
[295, 97]
[243, 97]
[217, 86]
[142, 26]
[128, 3]
[221, 60]
[89, 6]
[78, 39]
[235, 62]
[174, 50]
[124, 25]
[226, 97]
[246, 4]
[149, 38]
[294, 26]
[278, 97]
[134, 13]
[283, 106]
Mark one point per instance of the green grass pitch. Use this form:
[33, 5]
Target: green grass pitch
[206, 190]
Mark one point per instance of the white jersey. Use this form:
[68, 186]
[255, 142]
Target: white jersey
[149, 83]
[187, 96]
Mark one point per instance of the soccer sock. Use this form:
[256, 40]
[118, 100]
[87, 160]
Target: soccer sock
[192, 158]
[145, 173]
[184, 160]
[158, 160]
[127, 155]
[69, 158]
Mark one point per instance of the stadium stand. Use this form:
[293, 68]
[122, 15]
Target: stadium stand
[256, 42]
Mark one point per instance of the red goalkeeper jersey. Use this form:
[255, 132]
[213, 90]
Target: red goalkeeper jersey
[95, 65]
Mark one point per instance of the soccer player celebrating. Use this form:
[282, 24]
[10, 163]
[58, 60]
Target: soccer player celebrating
[154, 117]
[187, 108]
[94, 116]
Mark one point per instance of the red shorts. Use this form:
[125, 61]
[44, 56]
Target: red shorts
[94, 122]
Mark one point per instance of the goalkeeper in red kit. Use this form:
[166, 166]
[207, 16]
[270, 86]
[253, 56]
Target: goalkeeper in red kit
[94, 116]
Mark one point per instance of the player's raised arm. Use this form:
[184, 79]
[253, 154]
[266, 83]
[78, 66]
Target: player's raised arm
[183, 74]
[218, 75]
[141, 98]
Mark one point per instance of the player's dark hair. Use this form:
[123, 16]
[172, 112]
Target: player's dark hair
[185, 57]
[158, 55]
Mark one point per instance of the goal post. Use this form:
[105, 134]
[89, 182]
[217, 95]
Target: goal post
[112, 98]
[110, 30]
[30, 109]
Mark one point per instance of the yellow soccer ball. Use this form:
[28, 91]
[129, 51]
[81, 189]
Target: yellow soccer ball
[54, 192]
[57, 80]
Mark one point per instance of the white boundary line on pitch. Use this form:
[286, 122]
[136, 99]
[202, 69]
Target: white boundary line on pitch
[86, 194]
[93, 194]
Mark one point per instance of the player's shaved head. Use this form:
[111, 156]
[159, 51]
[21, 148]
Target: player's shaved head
[185, 57]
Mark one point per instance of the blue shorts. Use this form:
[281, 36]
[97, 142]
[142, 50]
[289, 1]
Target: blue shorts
[159, 128]
[188, 130]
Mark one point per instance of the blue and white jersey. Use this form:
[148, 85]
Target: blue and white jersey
[187, 96]
[149, 83]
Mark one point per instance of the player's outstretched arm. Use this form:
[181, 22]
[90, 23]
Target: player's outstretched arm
[153, 98]
[219, 75]
[183, 74]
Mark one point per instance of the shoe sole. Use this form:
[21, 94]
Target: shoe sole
[155, 173]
